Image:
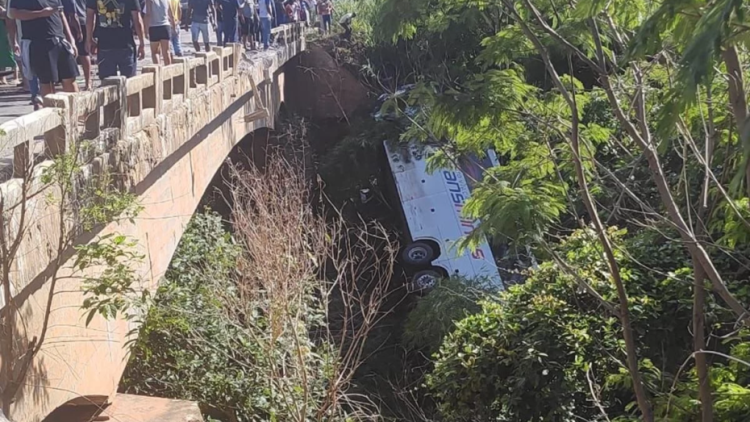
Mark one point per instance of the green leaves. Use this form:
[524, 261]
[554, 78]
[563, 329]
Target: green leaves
[517, 213]
[534, 353]
[108, 267]
[102, 202]
[505, 47]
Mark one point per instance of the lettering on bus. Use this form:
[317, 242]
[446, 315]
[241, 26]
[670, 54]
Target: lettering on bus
[459, 199]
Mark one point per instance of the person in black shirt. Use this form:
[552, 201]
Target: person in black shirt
[113, 21]
[52, 50]
[229, 21]
[201, 12]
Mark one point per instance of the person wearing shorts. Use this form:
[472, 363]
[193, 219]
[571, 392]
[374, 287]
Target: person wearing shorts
[160, 26]
[199, 10]
[52, 51]
[249, 22]
[113, 22]
[75, 12]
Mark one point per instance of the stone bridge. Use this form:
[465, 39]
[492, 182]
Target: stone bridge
[163, 134]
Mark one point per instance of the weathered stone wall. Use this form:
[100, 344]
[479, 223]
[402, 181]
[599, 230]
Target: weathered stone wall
[168, 157]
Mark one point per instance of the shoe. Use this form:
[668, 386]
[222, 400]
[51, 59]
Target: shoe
[37, 102]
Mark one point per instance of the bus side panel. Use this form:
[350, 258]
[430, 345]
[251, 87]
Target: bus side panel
[432, 205]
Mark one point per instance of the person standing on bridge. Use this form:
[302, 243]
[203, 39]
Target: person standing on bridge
[75, 11]
[229, 10]
[265, 13]
[176, 9]
[113, 21]
[25, 60]
[326, 9]
[161, 24]
[52, 50]
[199, 11]
[249, 23]
[216, 21]
[279, 13]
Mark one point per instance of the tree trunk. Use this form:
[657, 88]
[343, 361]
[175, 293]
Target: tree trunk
[699, 343]
[641, 395]
[738, 101]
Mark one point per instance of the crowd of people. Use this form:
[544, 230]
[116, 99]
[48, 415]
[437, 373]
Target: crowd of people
[45, 41]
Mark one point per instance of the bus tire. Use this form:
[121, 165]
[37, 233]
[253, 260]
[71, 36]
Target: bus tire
[422, 282]
[418, 254]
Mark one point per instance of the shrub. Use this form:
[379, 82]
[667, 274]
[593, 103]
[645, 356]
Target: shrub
[549, 351]
[245, 327]
[436, 314]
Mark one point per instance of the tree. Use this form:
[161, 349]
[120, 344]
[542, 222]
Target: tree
[546, 350]
[534, 74]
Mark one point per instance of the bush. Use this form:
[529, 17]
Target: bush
[244, 326]
[436, 314]
[549, 351]
[525, 358]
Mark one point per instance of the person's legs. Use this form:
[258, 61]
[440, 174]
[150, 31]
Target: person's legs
[127, 62]
[41, 65]
[243, 32]
[219, 31]
[70, 85]
[195, 29]
[251, 33]
[85, 60]
[154, 37]
[107, 62]
[46, 88]
[204, 30]
[34, 87]
[67, 70]
[86, 66]
[30, 77]
[159, 37]
[165, 51]
[36, 100]
[230, 30]
[155, 51]
[265, 31]
[175, 38]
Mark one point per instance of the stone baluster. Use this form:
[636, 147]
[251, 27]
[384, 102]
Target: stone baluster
[152, 96]
[116, 113]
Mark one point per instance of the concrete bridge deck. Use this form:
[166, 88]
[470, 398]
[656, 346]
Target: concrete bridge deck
[161, 135]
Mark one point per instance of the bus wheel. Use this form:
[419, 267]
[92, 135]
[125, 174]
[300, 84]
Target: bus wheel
[424, 281]
[418, 254]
